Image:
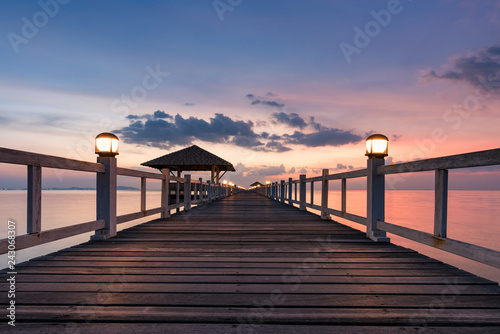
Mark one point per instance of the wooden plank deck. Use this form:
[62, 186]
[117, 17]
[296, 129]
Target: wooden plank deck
[248, 264]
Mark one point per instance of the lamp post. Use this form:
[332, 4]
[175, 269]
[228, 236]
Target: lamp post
[107, 147]
[376, 150]
[268, 183]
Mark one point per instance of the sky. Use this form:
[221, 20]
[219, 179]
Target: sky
[278, 88]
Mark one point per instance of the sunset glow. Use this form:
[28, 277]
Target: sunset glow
[277, 88]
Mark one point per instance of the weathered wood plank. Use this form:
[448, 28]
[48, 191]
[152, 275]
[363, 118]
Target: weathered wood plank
[253, 278]
[476, 159]
[136, 215]
[280, 315]
[239, 271]
[42, 160]
[292, 283]
[242, 299]
[30, 240]
[477, 253]
[138, 173]
[211, 328]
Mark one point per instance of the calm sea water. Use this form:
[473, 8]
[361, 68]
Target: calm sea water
[473, 216]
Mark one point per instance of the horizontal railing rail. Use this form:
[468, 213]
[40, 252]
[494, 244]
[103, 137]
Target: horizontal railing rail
[176, 192]
[376, 226]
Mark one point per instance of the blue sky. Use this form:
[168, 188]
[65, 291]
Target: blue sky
[263, 84]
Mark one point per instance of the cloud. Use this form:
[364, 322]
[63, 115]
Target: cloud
[292, 119]
[277, 147]
[163, 130]
[261, 100]
[342, 167]
[161, 114]
[481, 69]
[396, 137]
[187, 104]
[292, 170]
[323, 137]
[269, 170]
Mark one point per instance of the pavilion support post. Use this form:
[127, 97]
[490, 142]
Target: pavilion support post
[165, 193]
[178, 192]
[200, 195]
[290, 191]
[187, 192]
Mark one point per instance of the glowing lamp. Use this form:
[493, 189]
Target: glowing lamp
[224, 182]
[106, 144]
[268, 182]
[377, 146]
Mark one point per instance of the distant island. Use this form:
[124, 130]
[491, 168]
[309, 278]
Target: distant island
[77, 188]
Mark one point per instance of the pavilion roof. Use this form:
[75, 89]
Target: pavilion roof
[192, 158]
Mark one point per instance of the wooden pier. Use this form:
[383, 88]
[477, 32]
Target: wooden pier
[247, 264]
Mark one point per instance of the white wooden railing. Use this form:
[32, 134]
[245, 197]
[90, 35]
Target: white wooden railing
[376, 226]
[106, 189]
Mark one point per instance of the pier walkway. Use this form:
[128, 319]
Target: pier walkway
[248, 264]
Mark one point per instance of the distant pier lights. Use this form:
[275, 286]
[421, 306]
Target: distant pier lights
[106, 144]
[377, 146]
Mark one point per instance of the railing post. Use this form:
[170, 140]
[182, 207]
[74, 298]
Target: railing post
[312, 192]
[324, 195]
[376, 200]
[344, 195]
[177, 194]
[209, 191]
[200, 196]
[187, 192]
[34, 199]
[143, 194]
[165, 193]
[106, 198]
[302, 191]
[282, 191]
[441, 203]
[290, 191]
[195, 191]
